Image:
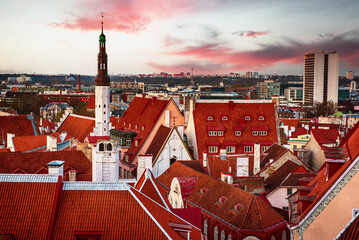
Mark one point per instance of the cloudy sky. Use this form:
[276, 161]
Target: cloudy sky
[146, 36]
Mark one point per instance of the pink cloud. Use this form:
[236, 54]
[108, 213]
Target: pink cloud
[252, 34]
[127, 15]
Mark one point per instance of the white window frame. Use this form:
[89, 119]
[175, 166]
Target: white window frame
[237, 133]
[224, 118]
[262, 133]
[220, 133]
[261, 118]
[248, 118]
[255, 133]
[209, 118]
[230, 149]
[265, 148]
[248, 149]
[212, 133]
[213, 149]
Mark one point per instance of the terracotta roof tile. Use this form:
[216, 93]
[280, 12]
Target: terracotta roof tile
[29, 143]
[77, 126]
[143, 113]
[299, 131]
[277, 177]
[91, 104]
[160, 137]
[235, 115]
[351, 231]
[253, 215]
[33, 161]
[20, 125]
[293, 179]
[325, 136]
[273, 152]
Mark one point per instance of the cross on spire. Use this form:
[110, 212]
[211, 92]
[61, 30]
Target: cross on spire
[102, 16]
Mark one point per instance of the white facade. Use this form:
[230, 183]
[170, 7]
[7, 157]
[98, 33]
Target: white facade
[102, 101]
[321, 72]
[173, 148]
[175, 195]
[105, 161]
[278, 198]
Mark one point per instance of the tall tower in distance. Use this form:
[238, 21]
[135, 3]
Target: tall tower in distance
[320, 82]
[102, 90]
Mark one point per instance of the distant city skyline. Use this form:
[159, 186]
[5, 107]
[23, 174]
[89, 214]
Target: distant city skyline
[148, 36]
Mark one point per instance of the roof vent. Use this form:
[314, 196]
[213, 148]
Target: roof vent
[238, 207]
[222, 199]
[203, 190]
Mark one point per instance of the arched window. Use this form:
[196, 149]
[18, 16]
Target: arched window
[205, 227]
[101, 147]
[229, 237]
[224, 118]
[284, 235]
[223, 235]
[109, 147]
[272, 238]
[248, 118]
[261, 118]
[216, 233]
[209, 118]
[172, 160]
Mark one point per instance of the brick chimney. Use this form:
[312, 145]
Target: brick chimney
[56, 168]
[51, 143]
[79, 83]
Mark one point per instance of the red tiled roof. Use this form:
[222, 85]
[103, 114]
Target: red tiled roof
[235, 111]
[91, 104]
[276, 178]
[159, 139]
[293, 122]
[273, 153]
[293, 179]
[29, 143]
[20, 125]
[324, 136]
[299, 131]
[254, 215]
[351, 142]
[143, 112]
[34, 161]
[77, 126]
[26, 208]
[351, 231]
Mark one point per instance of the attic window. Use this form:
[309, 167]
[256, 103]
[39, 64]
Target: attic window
[124, 123]
[143, 127]
[203, 190]
[222, 199]
[261, 118]
[224, 118]
[247, 118]
[136, 126]
[209, 118]
[238, 207]
[130, 125]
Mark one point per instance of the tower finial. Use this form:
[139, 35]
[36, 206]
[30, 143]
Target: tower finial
[102, 22]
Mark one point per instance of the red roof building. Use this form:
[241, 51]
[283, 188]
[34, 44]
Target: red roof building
[45, 207]
[231, 125]
[77, 126]
[139, 124]
[333, 190]
[227, 211]
[20, 125]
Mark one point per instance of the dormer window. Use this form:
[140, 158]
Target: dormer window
[255, 133]
[136, 126]
[238, 207]
[143, 128]
[261, 118]
[209, 118]
[203, 190]
[212, 133]
[127, 158]
[224, 118]
[262, 133]
[237, 133]
[247, 118]
[124, 123]
[220, 133]
[222, 199]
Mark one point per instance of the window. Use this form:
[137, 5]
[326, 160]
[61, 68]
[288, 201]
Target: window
[224, 118]
[248, 148]
[213, 149]
[285, 208]
[284, 235]
[231, 149]
[261, 118]
[262, 133]
[255, 133]
[237, 133]
[120, 172]
[209, 118]
[247, 118]
[289, 191]
[205, 227]
[220, 133]
[128, 141]
[229, 237]
[264, 148]
[212, 133]
[127, 158]
[143, 127]
[104, 106]
[109, 147]
[216, 233]
[130, 125]
[101, 147]
[223, 235]
[136, 143]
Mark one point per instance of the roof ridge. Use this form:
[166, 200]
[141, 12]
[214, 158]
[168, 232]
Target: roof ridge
[246, 214]
[90, 186]
[28, 178]
[80, 116]
[259, 213]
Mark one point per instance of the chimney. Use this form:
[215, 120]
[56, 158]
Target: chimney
[230, 179]
[144, 162]
[79, 77]
[9, 142]
[242, 167]
[257, 158]
[223, 177]
[192, 105]
[51, 143]
[56, 168]
[205, 163]
[60, 94]
[72, 175]
[167, 118]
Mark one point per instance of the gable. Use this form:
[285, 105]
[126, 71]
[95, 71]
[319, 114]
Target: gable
[77, 126]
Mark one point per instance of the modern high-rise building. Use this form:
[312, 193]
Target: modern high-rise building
[350, 75]
[320, 82]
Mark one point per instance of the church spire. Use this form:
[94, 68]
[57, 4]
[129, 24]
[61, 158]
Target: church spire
[102, 78]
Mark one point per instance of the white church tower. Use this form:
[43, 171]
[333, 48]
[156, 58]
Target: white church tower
[105, 155]
[102, 91]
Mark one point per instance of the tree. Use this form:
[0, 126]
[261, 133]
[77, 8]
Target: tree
[324, 109]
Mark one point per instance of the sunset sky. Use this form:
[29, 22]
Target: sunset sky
[147, 36]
